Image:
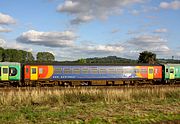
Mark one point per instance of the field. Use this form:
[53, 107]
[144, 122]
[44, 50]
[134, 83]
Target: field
[90, 105]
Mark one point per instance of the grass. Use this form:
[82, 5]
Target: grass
[90, 105]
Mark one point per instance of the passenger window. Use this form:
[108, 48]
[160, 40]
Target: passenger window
[58, 70]
[12, 71]
[84, 71]
[119, 71]
[102, 71]
[33, 70]
[76, 71]
[67, 71]
[143, 71]
[27, 70]
[111, 71]
[167, 70]
[171, 70]
[136, 71]
[5, 70]
[150, 71]
[94, 71]
[40, 70]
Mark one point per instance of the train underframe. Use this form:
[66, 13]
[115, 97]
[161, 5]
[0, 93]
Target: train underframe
[86, 82]
[89, 82]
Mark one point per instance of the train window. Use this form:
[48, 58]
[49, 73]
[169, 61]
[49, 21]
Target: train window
[12, 71]
[33, 70]
[156, 71]
[58, 70]
[67, 71]
[143, 71]
[136, 70]
[167, 70]
[102, 71]
[0, 71]
[76, 71]
[41, 70]
[177, 70]
[94, 71]
[5, 70]
[171, 70]
[150, 71]
[27, 70]
[84, 71]
[111, 71]
[119, 71]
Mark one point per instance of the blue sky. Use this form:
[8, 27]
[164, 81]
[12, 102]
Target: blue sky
[73, 29]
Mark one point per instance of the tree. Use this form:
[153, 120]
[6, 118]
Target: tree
[82, 61]
[147, 57]
[1, 54]
[45, 57]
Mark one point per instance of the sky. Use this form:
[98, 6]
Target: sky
[74, 29]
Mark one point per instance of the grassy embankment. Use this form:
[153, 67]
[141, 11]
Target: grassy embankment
[90, 105]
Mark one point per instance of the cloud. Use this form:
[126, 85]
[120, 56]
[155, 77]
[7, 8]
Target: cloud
[89, 50]
[109, 48]
[87, 10]
[161, 30]
[135, 12]
[113, 31]
[13, 45]
[5, 30]
[149, 42]
[2, 42]
[175, 5]
[49, 39]
[6, 19]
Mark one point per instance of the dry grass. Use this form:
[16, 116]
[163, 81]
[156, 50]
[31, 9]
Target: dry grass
[90, 105]
[38, 96]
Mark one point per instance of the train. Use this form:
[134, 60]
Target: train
[39, 74]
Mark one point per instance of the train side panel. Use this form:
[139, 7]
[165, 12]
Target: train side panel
[63, 73]
[172, 72]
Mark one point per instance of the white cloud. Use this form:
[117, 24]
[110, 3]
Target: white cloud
[161, 30]
[87, 10]
[49, 39]
[135, 12]
[5, 30]
[113, 48]
[88, 50]
[13, 45]
[149, 42]
[2, 42]
[170, 5]
[6, 19]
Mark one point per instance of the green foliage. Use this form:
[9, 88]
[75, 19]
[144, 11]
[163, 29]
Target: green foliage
[90, 105]
[45, 57]
[105, 60]
[147, 57]
[82, 61]
[13, 55]
[1, 54]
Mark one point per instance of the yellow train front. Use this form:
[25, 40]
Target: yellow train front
[91, 74]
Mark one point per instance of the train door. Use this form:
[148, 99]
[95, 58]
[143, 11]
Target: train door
[34, 73]
[150, 73]
[4, 73]
[172, 73]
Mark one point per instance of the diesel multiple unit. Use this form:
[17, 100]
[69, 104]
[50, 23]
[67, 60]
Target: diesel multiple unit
[18, 74]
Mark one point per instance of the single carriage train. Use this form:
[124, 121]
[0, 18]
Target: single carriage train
[17, 74]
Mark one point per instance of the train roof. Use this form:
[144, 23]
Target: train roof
[169, 64]
[93, 64]
[10, 63]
